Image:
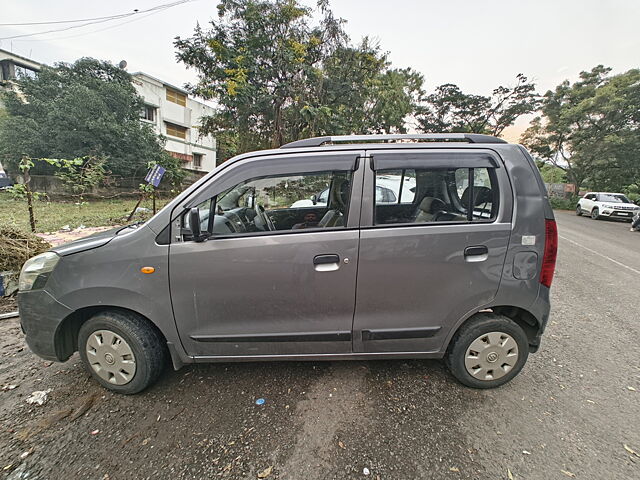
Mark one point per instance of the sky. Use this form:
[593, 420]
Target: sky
[476, 44]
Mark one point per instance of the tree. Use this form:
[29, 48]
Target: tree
[448, 109]
[590, 129]
[86, 109]
[277, 78]
[23, 191]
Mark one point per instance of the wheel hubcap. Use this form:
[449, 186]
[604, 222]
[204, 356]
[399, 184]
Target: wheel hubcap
[111, 357]
[491, 356]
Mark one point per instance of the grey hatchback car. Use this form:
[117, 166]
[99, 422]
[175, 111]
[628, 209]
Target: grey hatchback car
[458, 266]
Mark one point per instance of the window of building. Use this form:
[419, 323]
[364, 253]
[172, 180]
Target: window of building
[22, 72]
[176, 130]
[176, 97]
[148, 113]
[197, 160]
[436, 195]
[278, 203]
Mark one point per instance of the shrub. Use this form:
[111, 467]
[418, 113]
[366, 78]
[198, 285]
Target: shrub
[561, 203]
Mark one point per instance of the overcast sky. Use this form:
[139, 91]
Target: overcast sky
[476, 44]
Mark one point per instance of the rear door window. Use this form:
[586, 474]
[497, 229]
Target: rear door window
[438, 195]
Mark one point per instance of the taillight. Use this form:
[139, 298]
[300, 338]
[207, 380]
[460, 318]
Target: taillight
[550, 252]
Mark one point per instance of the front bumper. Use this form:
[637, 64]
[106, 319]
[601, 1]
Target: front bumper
[626, 214]
[40, 317]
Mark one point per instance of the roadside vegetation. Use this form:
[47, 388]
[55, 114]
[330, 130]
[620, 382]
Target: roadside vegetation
[54, 215]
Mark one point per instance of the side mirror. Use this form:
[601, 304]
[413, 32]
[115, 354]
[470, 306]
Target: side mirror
[194, 224]
[314, 199]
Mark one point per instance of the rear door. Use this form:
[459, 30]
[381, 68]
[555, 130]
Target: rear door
[262, 286]
[433, 256]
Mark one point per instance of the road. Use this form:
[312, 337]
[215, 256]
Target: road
[569, 413]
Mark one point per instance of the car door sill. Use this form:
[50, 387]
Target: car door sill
[319, 357]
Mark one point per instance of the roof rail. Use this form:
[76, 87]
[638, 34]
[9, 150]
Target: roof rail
[468, 137]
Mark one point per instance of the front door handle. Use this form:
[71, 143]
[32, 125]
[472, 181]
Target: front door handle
[326, 263]
[477, 253]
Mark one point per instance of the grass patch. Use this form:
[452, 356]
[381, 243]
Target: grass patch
[52, 216]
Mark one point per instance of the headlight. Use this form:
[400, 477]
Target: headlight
[36, 270]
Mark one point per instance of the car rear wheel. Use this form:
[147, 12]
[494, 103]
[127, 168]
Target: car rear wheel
[122, 351]
[488, 351]
[578, 211]
[595, 213]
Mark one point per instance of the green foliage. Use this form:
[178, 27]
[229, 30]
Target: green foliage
[277, 77]
[85, 109]
[552, 174]
[590, 129]
[79, 175]
[18, 191]
[562, 203]
[451, 110]
[633, 192]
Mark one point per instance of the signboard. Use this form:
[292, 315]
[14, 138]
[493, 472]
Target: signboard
[154, 176]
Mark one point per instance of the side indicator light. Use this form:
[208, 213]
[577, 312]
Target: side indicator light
[147, 270]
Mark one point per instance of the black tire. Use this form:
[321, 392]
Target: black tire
[147, 344]
[595, 213]
[479, 325]
[579, 211]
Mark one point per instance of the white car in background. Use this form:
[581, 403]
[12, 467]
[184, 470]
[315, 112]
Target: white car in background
[606, 205]
[387, 191]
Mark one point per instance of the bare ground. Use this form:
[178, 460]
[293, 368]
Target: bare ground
[569, 414]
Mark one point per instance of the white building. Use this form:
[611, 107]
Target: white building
[174, 114]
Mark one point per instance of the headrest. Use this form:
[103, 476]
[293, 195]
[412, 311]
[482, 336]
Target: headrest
[432, 205]
[340, 193]
[481, 194]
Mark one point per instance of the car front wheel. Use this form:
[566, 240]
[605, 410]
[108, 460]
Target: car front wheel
[488, 351]
[595, 213]
[122, 351]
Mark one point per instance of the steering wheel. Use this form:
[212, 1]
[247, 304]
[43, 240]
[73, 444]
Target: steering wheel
[264, 218]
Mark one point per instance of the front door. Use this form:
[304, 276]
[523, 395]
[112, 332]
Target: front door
[269, 281]
[433, 255]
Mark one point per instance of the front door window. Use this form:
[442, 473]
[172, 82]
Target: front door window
[273, 204]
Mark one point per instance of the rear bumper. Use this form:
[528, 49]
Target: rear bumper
[40, 317]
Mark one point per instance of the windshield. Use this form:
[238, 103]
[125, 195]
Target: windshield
[616, 198]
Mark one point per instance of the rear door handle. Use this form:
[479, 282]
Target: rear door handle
[476, 250]
[326, 263]
[323, 259]
[477, 253]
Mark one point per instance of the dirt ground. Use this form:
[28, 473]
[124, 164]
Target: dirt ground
[572, 413]
[8, 304]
